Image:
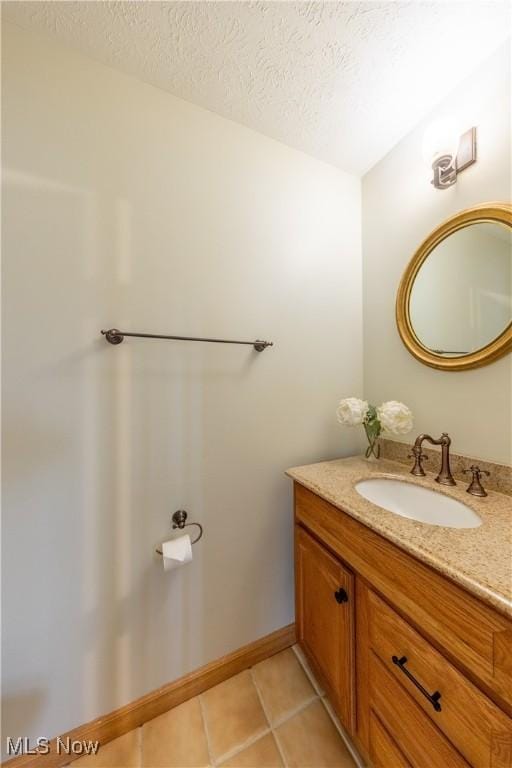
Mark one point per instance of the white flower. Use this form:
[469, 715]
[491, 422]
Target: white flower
[352, 411]
[395, 417]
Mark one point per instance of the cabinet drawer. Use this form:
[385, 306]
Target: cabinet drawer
[384, 753]
[478, 637]
[421, 743]
[473, 723]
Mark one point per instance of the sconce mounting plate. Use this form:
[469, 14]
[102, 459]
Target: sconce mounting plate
[446, 168]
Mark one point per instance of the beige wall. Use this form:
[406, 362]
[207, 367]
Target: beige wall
[125, 206]
[400, 208]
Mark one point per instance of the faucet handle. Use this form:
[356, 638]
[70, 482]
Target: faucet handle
[418, 456]
[476, 471]
[475, 487]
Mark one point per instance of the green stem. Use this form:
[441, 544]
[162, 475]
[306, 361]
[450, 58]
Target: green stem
[373, 446]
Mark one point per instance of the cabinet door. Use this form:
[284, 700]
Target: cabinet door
[325, 620]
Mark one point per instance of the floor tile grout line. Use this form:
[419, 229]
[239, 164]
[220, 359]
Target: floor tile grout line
[211, 761]
[291, 713]
[328, 707]
[344, 736]
[260, 697]
[251, 740]
[304, 705]
[278, 745]
[280, 748]
[139, 744]
[296, 711]
[309, 674]
[307, 670]
[245, 745]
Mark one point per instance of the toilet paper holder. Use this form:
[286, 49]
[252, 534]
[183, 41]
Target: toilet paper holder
[179, 520]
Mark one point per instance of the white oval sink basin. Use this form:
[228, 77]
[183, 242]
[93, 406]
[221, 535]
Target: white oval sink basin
[417, 503]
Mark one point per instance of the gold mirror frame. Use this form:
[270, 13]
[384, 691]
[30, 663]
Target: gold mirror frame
[488, 212]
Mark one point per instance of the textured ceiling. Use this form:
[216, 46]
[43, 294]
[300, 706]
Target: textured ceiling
[343, 81]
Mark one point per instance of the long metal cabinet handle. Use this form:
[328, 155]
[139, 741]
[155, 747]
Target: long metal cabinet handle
[432, 697]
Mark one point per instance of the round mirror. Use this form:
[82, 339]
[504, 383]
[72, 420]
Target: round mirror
[454, 304]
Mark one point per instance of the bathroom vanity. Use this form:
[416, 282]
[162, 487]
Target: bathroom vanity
[408, 626]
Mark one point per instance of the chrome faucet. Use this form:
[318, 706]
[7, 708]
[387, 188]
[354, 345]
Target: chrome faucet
[445, 476]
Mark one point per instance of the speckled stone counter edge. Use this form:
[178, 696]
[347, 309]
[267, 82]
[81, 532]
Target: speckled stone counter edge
[479, 559]
[500, 477]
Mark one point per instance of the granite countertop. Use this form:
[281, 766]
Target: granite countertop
[479, 559]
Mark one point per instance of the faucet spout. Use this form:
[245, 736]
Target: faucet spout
[445, 476]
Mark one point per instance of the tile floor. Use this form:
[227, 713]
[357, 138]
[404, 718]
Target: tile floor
[271, 716]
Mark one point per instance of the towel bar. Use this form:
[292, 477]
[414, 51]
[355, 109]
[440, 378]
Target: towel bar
[113, 336]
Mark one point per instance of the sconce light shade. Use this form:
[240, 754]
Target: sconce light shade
[441, 138]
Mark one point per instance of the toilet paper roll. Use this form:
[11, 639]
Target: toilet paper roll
[176, 552]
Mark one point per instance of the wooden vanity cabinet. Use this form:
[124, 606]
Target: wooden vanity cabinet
[419, 670]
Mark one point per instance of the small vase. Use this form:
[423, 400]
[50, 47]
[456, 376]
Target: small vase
[372, 452]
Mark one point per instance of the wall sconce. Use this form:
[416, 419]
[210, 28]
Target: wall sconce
[448, 152]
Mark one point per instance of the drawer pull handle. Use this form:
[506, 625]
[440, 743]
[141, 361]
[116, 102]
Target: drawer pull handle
[341, 596]
[432, 697]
